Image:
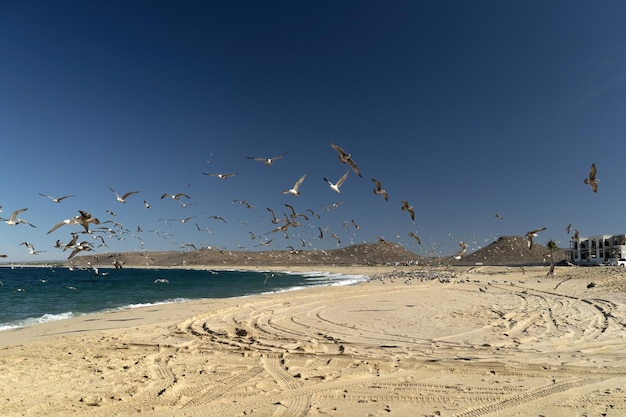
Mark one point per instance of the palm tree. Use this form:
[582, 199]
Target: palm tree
[552, 247]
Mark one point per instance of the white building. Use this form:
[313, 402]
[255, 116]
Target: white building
[594, 250]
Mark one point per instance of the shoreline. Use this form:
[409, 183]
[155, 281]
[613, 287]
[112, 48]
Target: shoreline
[8, 338]
[407, 341]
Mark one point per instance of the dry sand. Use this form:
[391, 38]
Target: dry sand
[488, 341]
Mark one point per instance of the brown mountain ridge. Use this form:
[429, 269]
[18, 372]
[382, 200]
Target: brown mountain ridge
[507, 250]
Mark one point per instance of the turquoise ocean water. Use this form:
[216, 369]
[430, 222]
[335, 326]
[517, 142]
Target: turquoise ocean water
[36, 295]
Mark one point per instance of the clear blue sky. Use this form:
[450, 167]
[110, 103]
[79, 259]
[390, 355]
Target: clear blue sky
[465, 109]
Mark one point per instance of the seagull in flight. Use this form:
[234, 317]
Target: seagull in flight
[82, 246]
[592, 180]
[267, 161]
[295, 189]
[56, 199]
[244, 203]
[416, 237]
[84, 219]
[461, 251]
[175, 196]
[379, 189]
[345, 158]
[123, 198]
[409, 208]
[31, 248]
[531, 234]
[335, 187]
[220, 176]
[274, 219]
[328, 207]
[14, 221]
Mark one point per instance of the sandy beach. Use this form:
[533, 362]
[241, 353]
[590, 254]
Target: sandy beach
[412, 341]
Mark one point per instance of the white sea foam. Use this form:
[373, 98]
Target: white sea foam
[68, 315]
[36, 320]
[140, 305]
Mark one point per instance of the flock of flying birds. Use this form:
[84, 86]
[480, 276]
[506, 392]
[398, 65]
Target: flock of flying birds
[91, 226]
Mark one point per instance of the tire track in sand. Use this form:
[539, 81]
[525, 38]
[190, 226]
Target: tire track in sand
[296, 406]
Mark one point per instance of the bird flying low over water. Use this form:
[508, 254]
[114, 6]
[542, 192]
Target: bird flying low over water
[14, 221]
[531, 234]
[379, 190]
[340, 181]
[592, 180]
[122, 199]
[346, 158]
[56, 199]
[31, 248]
[79, 247]
[295, 190]
[408, 208]
[267, 161]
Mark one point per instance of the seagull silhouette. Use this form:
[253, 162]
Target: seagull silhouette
[531, 234]
[416, 237]
[592, 180]
[379, 190]
[346, 158]
[409, 208]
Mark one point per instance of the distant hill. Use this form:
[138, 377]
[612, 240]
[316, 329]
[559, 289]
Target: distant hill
[511, 251]
[379, 253]
[507, 250]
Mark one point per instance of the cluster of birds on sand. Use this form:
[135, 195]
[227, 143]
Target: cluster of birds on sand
[94, 231]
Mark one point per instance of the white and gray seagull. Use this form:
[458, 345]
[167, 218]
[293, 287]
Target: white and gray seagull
[84, 219]
[220, 176]
[174, 196]
[122, 199]
[267, 161]
[531, 234]
[295, 190]
[340, 181]
[31, 248]
[14, 221]
[56, 199]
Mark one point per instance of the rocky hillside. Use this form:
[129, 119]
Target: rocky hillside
[507, 250]
[380, 253]
[512, 251]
